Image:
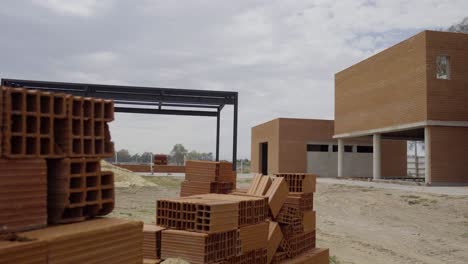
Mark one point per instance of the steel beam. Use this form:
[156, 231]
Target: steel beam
[163, 111]
[218, 124]
[234, 140]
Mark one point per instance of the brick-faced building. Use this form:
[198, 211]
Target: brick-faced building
[415, 90]
[290, 145]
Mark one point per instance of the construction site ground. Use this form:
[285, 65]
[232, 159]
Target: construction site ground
[360, 222]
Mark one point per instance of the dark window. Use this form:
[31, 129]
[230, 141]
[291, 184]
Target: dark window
[365, 149]
[347, 148]
[317, 148]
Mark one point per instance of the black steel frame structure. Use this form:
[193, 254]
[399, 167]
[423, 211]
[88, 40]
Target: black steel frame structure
[150, 100]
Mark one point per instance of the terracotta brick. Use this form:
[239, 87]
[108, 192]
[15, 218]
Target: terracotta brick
[23, 194]
[300, 201]
[199, 248]
[252, 209]
[197, 214]
[105, 240]
[78, 189]
[169, 168]
[258, 256]
[277, 195]
[274, 239]
[24, 252]
[254, 237]
[315, 256]
[309, 221]
[299, 182]
[152, 241]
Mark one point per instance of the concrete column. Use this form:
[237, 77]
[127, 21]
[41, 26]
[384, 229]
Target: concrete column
[377, 157]
[427, 161]
[340, 157]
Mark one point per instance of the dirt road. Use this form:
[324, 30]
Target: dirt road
[360, 224]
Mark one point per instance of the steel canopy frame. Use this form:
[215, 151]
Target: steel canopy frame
[150, 100]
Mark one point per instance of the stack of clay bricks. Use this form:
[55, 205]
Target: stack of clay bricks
[291, 236]
[152, 243]
[203, 177]
[214, 228]
[51, 146]
[160, 159]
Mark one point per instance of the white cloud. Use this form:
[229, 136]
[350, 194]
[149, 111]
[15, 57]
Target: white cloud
[280, 55]
[72, 7]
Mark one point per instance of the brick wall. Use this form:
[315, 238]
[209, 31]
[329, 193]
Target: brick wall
[293, 135]
[384, 90]
[394, 158]
[449, 155]
[288, 139]
[447, 99]
[266, 132]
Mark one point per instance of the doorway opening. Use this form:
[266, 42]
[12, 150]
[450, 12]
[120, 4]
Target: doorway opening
[264, 158]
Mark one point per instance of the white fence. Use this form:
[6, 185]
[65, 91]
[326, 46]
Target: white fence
[416, 166]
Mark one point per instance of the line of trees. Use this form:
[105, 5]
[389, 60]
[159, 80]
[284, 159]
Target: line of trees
[177, 156]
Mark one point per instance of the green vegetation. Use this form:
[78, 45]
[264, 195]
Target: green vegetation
[334, 260]
[165, 181]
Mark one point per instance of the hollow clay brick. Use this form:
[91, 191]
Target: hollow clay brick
[104, 240]
[274, 239]
[299, 182]
[23, 194]
[24, 252]
[277, 195]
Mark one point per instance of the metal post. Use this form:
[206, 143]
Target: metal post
[218, 121]
[234, 140]
[340, 157]
[427, 158]
[152, 163]
[377, 157]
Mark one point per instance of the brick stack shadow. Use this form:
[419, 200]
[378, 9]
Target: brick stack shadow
[50, 175]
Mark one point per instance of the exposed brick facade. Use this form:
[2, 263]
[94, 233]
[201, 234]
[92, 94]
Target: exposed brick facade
[447, 99]
[449, 155]
[384, 90]
[398, 87]
[287, 145]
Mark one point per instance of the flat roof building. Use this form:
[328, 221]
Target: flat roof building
[415, 90]
[289, 145]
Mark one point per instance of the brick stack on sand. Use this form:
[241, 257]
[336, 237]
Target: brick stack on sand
[208, 177]
[50, 175]
[272, 222]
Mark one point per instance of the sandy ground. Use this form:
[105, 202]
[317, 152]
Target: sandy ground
[366, 224]
[373, 223]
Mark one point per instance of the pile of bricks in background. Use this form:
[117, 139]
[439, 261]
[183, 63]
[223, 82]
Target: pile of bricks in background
[203, 177]
[51, 145]
[160, 159]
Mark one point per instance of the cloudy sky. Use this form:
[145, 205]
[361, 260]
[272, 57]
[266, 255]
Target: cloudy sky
[279, 55]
